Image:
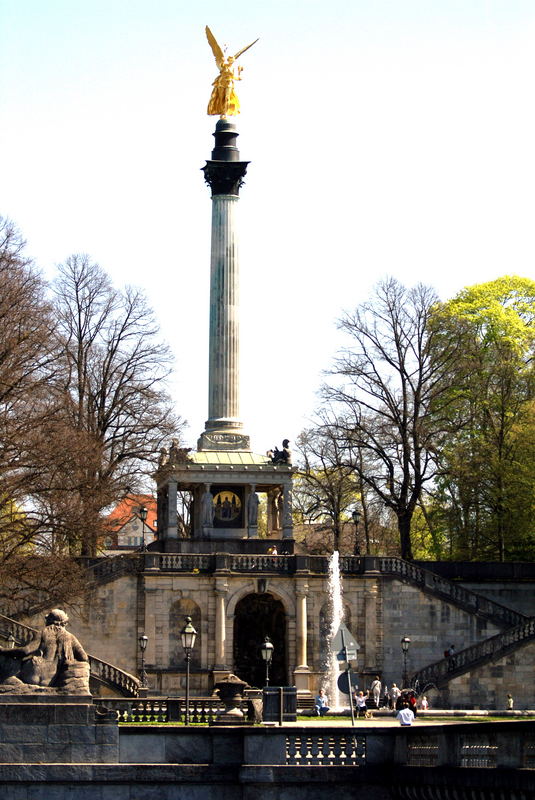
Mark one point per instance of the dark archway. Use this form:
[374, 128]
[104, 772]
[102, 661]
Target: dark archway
[257, 616]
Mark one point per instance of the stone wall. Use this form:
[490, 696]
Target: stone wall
[380, 611]
[488, 686]
[432, 625]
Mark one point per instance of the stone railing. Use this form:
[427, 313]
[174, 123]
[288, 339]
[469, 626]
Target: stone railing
[441, 672]
[113, 677]
[486, 744]
[180, 562]
[202, 710]
[264, 563]
[336, 748]
[109, 568]
[21, 633]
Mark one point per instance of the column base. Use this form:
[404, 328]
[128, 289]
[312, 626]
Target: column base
[302, 679]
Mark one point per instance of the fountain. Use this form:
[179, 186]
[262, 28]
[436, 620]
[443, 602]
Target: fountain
[336, 609]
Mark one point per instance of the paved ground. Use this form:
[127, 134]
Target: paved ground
[439, 717]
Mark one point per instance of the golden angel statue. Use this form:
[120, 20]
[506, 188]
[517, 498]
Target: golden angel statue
[224, 101]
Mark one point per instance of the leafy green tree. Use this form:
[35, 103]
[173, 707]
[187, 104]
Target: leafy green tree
[486, 485]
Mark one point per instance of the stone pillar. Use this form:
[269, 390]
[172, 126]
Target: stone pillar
[301, 624]
[287, 522]
[221, 591]
[224, 174]
[172, 521]
[370, 616]
[302, 671]
[223, 391]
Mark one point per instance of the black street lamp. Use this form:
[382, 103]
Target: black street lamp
[356, 519]
[405, 644]
[143, 641]
[143, 516]
[188, 635]
[267, 654]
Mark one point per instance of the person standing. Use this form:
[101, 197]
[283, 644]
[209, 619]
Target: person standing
[405, 715]
[424, 705]
[510, 702]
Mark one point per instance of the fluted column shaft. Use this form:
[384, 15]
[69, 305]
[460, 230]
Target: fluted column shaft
[223, 392]
[220, 627]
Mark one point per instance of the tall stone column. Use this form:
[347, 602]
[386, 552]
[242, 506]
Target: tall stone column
[371, 593]
[301, 625]
[221, 591]
[224, 174]
[302, 671]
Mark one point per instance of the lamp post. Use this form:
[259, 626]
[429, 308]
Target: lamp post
[143, 641]
[188, 635]
[356, 519]
[405, 644]
[267, 654]
[143, 516]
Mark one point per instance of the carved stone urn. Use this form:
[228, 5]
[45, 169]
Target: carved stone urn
[230, 691]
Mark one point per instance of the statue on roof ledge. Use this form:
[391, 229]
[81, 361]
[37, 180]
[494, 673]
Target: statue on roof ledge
[283, 456]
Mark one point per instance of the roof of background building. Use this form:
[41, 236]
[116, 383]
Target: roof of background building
[128, 508]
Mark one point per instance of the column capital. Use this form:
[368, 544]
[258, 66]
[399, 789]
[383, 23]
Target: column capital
[225, 177]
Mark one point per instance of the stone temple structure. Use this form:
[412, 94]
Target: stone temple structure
[212, 565]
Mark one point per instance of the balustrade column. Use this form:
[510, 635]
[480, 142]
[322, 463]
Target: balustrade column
[221, 592]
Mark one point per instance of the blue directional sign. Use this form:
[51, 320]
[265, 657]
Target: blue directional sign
[344, 644]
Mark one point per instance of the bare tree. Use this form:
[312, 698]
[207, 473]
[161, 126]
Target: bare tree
[112, 411]
[387, 402]
[326, 489]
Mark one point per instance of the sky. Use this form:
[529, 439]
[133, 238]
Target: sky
[386, 137]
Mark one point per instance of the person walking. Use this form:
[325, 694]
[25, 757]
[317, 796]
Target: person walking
[395, 693]
[376, 690]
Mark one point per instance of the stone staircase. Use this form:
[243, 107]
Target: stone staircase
[430, 582]
[520, 628]
[114, 678]
[492, 649]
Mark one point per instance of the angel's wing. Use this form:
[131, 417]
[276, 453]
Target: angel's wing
[216, 50]
[238, 54]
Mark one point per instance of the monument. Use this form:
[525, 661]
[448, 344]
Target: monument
[221, 480]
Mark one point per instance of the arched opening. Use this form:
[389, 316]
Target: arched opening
[258, 616]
